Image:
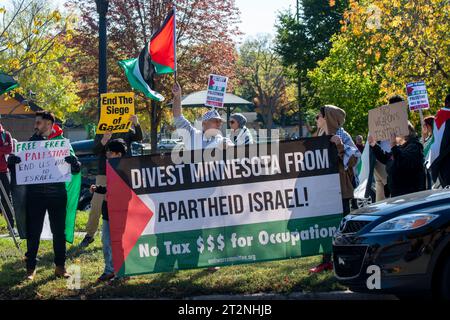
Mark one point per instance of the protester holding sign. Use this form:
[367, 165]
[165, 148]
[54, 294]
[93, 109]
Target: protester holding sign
[378, 169]
[100, 142]
[239, 132]
[209, 137]
[330, 121]
[54, 198]
[116, 148]
[6, 146]
[404, 164]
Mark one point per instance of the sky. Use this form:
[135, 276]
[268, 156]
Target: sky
[259, 16]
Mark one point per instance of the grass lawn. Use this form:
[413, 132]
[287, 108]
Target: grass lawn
[276, 277]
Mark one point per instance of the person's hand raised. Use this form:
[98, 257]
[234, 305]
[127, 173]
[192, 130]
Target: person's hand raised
[371, 140]
[106, 137]
[176, 90]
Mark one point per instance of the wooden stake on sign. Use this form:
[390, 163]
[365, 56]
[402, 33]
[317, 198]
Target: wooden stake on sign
[422, 123]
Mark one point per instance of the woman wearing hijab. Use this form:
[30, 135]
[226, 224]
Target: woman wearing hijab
[239, 132]
[329, 122]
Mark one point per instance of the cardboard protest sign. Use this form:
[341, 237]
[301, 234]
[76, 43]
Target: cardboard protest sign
[217, 88]
[417, 96]
[259, 205]
[115, 112]
[42, 161]
[385, 120]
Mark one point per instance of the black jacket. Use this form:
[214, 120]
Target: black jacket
[404, 166]
[128, 137]
[53, 190]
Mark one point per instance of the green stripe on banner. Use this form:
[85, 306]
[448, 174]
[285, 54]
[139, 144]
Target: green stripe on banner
[231, 245]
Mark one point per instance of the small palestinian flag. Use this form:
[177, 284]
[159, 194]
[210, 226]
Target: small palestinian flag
[7, 83]
[158, 56]
[441, 145]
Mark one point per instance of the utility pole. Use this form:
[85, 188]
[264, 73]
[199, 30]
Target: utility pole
[299, 83]
[102, 10]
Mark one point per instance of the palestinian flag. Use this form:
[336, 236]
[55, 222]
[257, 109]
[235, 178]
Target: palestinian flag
[7, 83]
[441, 145]
[158, 56]
[163, 46]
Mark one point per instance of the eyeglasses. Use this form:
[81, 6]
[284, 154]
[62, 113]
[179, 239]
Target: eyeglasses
[232, 121]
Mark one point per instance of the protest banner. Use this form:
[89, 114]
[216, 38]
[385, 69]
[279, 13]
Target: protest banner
[417, 96]
[42, 161]
[217, 88]
[167, 215]
[115, 112]
[385, 120]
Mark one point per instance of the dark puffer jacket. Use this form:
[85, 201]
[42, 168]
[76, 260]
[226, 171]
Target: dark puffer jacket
[404, 166]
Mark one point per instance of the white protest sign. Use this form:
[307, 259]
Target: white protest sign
[217, 88]
[417, 96]
[42, 161]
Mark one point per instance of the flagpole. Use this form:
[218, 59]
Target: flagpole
[175, 37]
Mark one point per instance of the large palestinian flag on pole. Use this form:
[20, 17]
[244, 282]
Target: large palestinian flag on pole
[271, 203]
[158, 56]
[441, 145]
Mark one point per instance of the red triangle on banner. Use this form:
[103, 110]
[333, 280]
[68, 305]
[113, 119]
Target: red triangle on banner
[128, 217]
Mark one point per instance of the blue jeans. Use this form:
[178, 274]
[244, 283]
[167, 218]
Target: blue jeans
[107, 252]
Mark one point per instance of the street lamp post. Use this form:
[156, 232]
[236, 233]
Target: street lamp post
[102, 9]
[299, 84]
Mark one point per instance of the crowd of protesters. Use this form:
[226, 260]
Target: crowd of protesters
[401, 165]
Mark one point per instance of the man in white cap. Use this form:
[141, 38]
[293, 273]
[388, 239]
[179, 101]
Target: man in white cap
[210, 136]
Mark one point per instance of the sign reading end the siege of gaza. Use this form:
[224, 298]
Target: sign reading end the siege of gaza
[116, 110]
[42, 161]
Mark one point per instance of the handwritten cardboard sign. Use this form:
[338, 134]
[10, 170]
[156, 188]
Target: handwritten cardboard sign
[115, 112]
[385, 120]
[217, 88]
[417, 96]
[42, 161]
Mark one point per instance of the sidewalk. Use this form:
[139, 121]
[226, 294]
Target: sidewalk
[333, 295]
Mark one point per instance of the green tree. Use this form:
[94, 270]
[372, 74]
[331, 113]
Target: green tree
[33, 49]
[302, 43]
[262, 77]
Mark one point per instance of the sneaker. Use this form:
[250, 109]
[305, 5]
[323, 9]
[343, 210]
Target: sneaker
[106, 277]
[31, 273]
[213, 269]
[322, 267]
[60, 272]
[86, 242]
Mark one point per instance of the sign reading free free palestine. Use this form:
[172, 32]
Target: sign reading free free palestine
[261, 205]
[417, 96]
[217, 88]
[116, 110]
[42, 161]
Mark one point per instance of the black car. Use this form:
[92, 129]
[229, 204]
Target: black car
[404, 241]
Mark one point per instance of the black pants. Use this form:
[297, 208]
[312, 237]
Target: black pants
[4, 178]
[36, 208]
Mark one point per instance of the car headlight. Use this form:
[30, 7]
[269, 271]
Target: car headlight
[405, 222]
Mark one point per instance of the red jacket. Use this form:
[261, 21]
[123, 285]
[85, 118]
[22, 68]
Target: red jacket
[6, 147]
